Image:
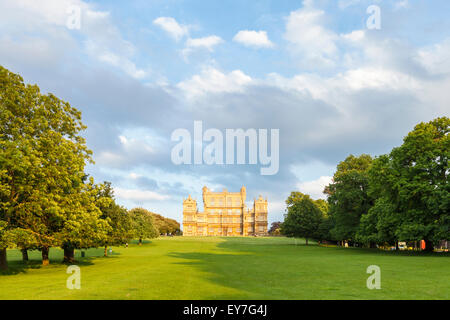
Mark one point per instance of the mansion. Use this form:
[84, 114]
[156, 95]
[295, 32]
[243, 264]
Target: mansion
[224, 214]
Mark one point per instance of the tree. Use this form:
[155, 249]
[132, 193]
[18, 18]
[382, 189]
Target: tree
[275, 228]
[24, 240]
[379, 224]
[165, 225]
[83, 227]
[42, 160]
[5, 242]
[121, 231]
[303, 217]
[143, 224]
[412, 186]
[348, 197]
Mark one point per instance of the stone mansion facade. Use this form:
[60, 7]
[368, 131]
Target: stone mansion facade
[224, 214]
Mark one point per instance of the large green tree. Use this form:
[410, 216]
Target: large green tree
[83, 227]
[5, 242]
[121, 231]
[143, 224]
[303, 217]
[412, 187]
[42, 160]
[348, 197]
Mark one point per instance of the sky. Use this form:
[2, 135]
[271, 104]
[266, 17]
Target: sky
[333, 80]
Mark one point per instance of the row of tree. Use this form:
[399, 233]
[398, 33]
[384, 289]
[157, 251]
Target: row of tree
[400, 196]
[46, 198]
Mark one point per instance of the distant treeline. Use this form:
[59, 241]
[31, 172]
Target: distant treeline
[166, 226]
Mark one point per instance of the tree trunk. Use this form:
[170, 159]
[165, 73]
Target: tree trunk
[140, 241]
[24, 255]
[3, 260]
[69, 255]
[396, 245]
[45, 260]
[306, 241]
[429, 246]
[106, 251]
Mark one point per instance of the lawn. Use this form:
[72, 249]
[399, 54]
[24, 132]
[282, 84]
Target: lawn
[230, 268]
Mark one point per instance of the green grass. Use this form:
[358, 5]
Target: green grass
[230, 268]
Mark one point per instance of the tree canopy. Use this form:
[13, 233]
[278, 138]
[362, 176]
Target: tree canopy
[303, 217]
[347, 196]
[411, 188]
[143, 224]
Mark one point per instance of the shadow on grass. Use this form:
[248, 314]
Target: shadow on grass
[136, 242]
[262, 268]
[225, 269]
[16, 265]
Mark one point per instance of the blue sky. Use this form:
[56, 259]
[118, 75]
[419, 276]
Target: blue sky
[140, 69]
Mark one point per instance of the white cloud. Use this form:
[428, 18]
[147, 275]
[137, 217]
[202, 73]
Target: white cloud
[109, 159]
[308, 37]
[208, 42]
[402, 4]
[103, 40]
[315, 188]
[253, 38]
[214, 81]
[171, 26]
[347, 3]
[435, 58]
[354, 36]
[121, 62]
[138, 195]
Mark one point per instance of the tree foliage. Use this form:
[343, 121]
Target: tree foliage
[275, 228]
[166, 225]
[412, 188]
[348, 197]
[303, 217]
[42, 160]
[143, 224]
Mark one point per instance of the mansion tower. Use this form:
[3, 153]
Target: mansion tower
[224, 214]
